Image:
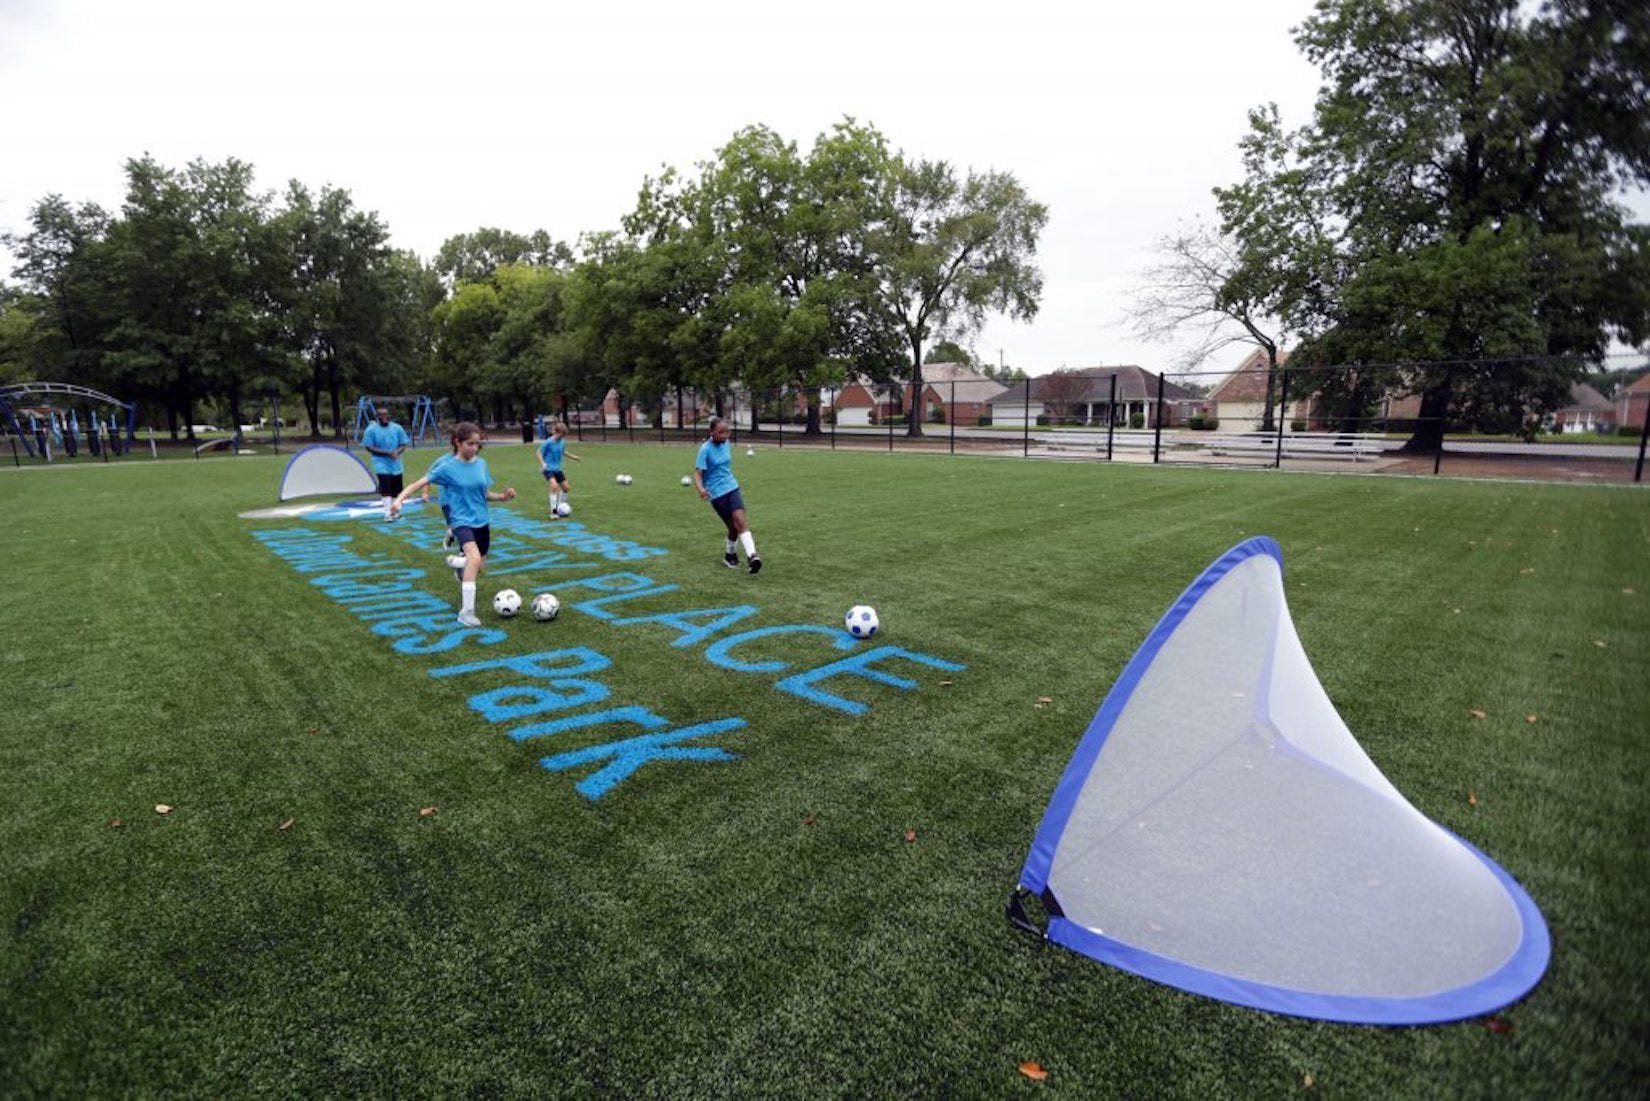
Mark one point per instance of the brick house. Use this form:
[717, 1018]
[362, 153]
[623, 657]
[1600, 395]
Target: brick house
[1633, 402]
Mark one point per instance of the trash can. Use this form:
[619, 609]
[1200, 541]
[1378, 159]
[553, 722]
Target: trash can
[527, 431]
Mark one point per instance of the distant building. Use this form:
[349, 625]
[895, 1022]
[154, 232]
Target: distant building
[1588, 411]
[1086, 397]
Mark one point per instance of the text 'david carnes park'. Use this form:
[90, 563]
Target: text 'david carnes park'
[554, 693]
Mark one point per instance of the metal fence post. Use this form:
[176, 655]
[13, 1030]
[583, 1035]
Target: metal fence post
[1157, 434]
[1025, 422]
[1638, 471]
[1283, 408]
[1443, 420]
[951, 416]
[1111, 415]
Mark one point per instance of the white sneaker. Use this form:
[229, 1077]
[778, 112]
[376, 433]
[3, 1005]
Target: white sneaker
[469, 619]
[456, 561]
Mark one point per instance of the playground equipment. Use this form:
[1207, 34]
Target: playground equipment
[423, 427]
[48, 427]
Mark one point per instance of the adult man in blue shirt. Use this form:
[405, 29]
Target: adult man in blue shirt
[385, 441]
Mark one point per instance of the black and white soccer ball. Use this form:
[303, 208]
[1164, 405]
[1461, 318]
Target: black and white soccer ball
[545, 607]
[507, 602]
[564, 509]
[861, 621]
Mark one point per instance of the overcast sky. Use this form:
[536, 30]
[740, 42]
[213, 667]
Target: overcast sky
[447, 118]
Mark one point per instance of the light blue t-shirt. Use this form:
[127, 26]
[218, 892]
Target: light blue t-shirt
[463, 489]
[716, 460]
[551, 450]
[388, 437]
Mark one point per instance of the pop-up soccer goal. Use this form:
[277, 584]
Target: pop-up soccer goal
[1220, 830]
[322, 469]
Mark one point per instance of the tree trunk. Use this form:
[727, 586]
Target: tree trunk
[913, 423]
[1267, 424]
[1429, 429]
[812, 398]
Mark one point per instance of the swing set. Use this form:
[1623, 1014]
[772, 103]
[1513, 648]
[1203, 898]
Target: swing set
[422, 429]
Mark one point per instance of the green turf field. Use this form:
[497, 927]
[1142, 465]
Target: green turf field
[819, 914]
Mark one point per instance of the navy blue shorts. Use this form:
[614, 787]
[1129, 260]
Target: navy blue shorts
[482, 537]
[389, 485]
[728, 504]
[557, 475]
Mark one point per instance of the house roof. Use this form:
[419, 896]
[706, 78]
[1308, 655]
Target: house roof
[1584, 398]
[1247, 381]
[1133, 384]
[966, 389]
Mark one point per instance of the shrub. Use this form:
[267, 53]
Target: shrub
[1137, 420]
[1630, 430]
[1297, 426]
[984, 420]
[936, 414]
[1042, 420]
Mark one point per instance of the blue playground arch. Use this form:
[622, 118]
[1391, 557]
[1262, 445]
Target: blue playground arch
[34, 436]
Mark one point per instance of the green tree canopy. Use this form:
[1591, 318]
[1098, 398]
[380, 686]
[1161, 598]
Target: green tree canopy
[1453, 199]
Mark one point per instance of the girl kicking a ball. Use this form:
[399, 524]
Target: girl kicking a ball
[466, 489]
[550, 459]
[713, 478]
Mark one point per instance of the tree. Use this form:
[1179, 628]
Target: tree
[354, 311]
[468, 257]
[58, 271]
[947, 251]
[1203, 281]
[948, 351]
[1461, 167]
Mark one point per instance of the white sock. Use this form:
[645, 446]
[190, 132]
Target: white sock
[748, 541]
[732, 546]
[385, 502]
[468, 589]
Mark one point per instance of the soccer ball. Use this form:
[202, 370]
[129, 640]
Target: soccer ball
[623, 479]
[507, 602]
[564, 509]
[861, 621]
[687, 481]
[749, 452]
[546, 607]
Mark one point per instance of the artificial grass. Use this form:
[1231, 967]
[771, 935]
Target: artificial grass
[763, 926]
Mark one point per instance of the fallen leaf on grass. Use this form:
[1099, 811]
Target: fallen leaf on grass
[162, 808]
[114, 823]
[287, 825]
[1527, 569]
[910, 836]
[1472, 798]
[810, 820]
[1599, 642]
[1629, 590]
[1476, 712]
[1307, 1080]
[1033, 1071]
[945, 684]
[1045, 699]
[425, 812]
[1498, 1024]
[314, 730]
[1529, 718]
